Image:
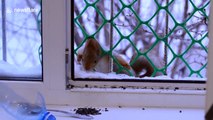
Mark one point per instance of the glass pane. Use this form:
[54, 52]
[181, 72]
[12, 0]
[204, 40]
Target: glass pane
[138, 39]
[20, 40]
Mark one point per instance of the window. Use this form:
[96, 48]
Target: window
[154, 38]
[178, 33]
[20, 40]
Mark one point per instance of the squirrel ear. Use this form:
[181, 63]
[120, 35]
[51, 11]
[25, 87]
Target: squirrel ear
[91, 43]
[88, 42]
[94, 45]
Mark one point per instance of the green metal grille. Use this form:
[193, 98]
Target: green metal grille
[172, 26]
[39, 29]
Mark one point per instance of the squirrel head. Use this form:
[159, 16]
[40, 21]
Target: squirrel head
[91, 54]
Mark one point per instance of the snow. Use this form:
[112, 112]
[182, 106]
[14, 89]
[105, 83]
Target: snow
[9, 70]
[81, 73]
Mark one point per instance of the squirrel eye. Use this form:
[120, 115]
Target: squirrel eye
[95, 61]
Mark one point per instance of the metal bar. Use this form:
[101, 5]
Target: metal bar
[4, 38]
[166, 32]
[111, 37]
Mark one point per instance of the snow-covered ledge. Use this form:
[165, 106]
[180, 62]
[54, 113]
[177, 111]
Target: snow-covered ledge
[8, 70]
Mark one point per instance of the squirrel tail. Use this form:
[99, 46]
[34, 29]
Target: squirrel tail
[140, 65]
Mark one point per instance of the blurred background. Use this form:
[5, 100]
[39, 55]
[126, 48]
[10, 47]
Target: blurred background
[20, 38]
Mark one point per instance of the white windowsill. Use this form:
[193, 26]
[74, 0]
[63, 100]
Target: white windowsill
[144, 113]
[127, 97]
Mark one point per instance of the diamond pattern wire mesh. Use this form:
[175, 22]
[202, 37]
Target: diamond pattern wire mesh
[39, 29]
[160, 38]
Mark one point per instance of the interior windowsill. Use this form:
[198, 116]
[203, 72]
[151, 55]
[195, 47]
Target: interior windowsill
[141, 113]
[122, 113]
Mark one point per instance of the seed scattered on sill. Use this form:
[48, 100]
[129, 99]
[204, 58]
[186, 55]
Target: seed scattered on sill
[88, 111]
[176, 88]
[161, 88]
[123, 87]
[106, 110]
[113, 87]
[180, 111]
[143, 108]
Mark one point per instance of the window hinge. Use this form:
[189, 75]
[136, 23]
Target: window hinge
[67, 55]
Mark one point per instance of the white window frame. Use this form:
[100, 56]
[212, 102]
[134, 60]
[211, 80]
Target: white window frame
[56, 22]
[209, 95]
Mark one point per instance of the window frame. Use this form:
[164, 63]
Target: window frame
[56, 33]
[209, 96]
[89, 4]
[51, 24]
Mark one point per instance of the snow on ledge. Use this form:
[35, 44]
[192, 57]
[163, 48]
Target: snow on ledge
[81, 73]
[8, 70]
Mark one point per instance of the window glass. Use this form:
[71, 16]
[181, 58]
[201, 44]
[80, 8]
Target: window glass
[20, 40]
[127, 39]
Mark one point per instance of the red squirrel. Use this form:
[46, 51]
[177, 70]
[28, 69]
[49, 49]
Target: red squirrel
[92, 59]
[91, 54]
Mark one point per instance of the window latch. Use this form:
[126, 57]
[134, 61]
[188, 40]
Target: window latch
[66, 55]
